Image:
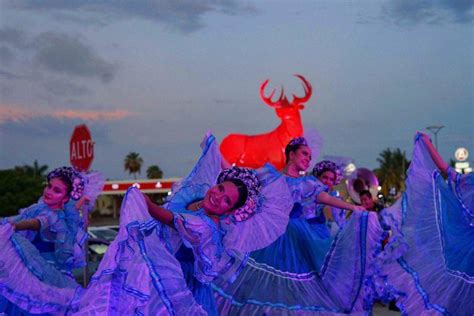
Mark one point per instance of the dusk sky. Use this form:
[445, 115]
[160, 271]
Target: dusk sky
[153, 76]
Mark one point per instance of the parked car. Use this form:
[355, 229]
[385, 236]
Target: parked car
[103, 232]
[113, 227]
[99, 240]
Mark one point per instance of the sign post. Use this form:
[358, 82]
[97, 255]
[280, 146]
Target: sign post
[81, 154]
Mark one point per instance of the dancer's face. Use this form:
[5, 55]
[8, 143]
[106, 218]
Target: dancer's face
[367, 202]
[221, 198]
[328, 178]
[300, 158]
[55, 194]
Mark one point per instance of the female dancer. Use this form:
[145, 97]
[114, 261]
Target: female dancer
[42, 244]
[304, 271]
[329, 174]
[244, 211]
[428, 265]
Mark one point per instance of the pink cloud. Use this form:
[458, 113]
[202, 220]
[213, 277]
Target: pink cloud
[21, 114]
[15, 114]
[93, 115]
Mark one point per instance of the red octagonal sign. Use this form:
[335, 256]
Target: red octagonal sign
[81, 148]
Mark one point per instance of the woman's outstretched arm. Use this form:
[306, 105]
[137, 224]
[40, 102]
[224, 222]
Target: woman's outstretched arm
[325, 198]
[437, 159]
[29, 224]
[159, 213]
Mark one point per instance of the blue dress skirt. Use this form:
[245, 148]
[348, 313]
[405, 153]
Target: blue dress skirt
[306, 271]
[428, 265]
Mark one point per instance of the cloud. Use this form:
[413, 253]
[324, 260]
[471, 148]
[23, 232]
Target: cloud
[66, 54]
[57, 52]
[185, 15]
[16, 114]
[430, 11]
[64, 88]
[15, 37]
[6, 55]
[8, 75]
[92, 115]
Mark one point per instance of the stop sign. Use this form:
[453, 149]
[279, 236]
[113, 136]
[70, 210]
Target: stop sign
[81, 148]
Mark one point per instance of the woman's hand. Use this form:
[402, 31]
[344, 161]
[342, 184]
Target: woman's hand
[204, 140]
[84, 200]
[423, 136]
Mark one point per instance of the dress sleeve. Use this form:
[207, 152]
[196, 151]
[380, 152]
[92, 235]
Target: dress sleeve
[23, 214]
[311, 188]
[206, 170]
[204, 240]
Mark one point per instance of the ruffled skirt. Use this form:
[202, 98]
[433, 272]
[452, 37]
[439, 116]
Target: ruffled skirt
[28, 283]
[429, 264]
[138, 274]
[304, 274]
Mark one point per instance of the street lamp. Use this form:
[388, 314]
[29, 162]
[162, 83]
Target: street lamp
[435, 130]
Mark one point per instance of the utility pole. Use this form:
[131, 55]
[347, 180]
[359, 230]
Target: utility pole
[435, 130]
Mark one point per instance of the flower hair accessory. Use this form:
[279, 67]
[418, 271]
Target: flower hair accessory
[250, 179]
[78, 182]
[324, 165]
[298, 141]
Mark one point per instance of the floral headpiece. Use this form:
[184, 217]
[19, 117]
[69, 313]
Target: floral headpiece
[298, 141]
[250, 179]
[321, 166]
[78, 182]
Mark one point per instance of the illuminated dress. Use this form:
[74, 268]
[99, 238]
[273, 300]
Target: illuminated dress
[306, 271]
[428, 265]
[140, 274]
[35, 266]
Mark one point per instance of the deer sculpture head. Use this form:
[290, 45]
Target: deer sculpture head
[283, 107]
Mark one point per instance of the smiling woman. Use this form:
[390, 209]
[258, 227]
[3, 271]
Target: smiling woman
[42, 245]
[216, 215]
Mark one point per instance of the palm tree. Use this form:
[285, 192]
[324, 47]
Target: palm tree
[154, 172]
[392, 170]
[35, 170]
[133, 163]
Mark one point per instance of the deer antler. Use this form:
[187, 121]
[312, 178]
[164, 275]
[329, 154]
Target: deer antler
[308, 91]
[282, 100]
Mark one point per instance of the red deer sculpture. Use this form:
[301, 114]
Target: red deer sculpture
[254, 151]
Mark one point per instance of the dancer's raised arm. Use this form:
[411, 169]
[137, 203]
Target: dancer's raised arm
[158, 212]
[325, 198]
[437, 159]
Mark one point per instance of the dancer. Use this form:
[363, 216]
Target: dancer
[428, 265]
[330, 174]
[220, 216]
[305, 270]
[42, 244]
[291, 252]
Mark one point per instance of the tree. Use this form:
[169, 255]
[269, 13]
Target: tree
[154, 172]
[133, 163]
[35, 170]
[392, 170]
[20, 187]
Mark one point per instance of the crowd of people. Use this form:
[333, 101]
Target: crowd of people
[238, 241]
